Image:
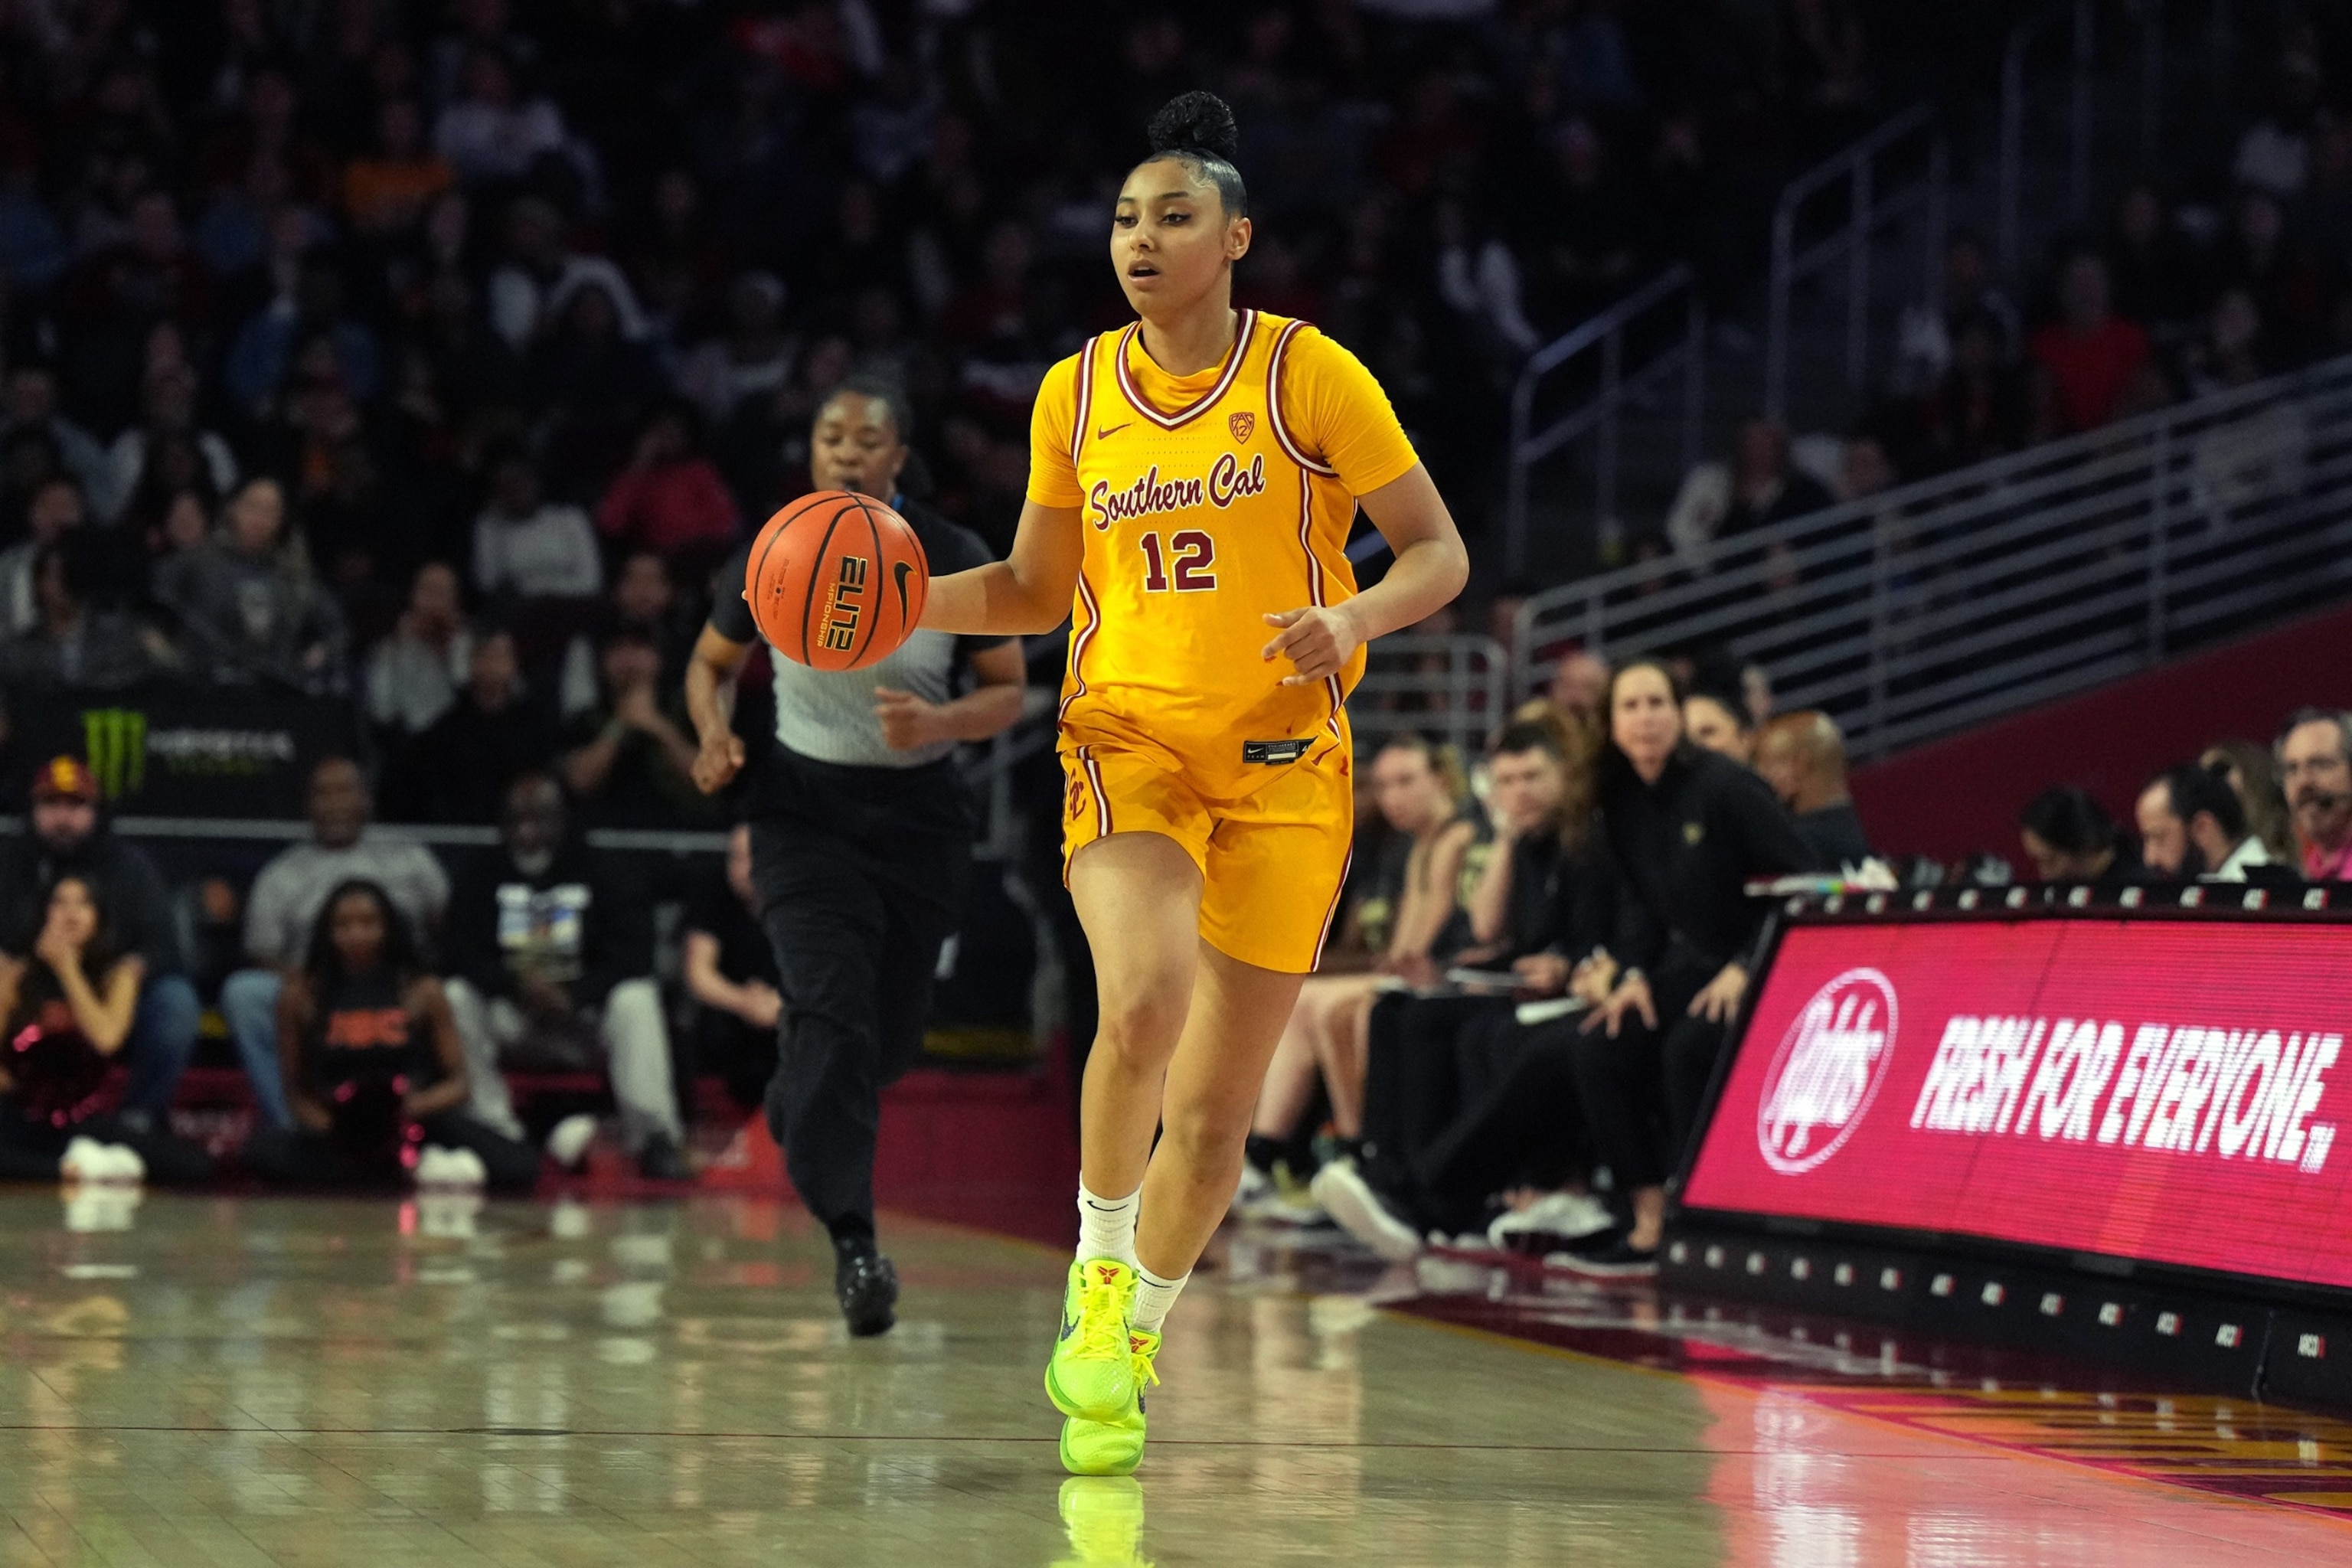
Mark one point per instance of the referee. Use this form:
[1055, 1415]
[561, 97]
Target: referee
[861, 842]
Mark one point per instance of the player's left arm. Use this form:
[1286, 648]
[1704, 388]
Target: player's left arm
[1430, 568]
[990, 708]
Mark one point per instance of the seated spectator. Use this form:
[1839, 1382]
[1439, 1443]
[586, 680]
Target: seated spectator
[2251, 773]
[262, 357]
[69, 996]
[1404, 921]
[247, 600]
[281, 913]
[541, 274]
[1677, 965]
[730, 969]
[28, 406]
[554, 967]
[2089, 357]
[54, 510]
[631, 762]
[753, 359]
[490, 130]
[643, 598]
[375, 1074]
[1976, 411]
[458, 769]
[75, 645]
[2314, 766]
[528, 548]
[1927, 335]
[1577, 682]
[594, 382]
[1720, 724]
[386, 192]
[2070, 837]
[2192, 827]
[413, 675]
[168, 404]
[1803, 757]
[68, 835]
[2154, 276]
[1433, 1150]
[2274, 155]
[1767, 489]
[670, 498]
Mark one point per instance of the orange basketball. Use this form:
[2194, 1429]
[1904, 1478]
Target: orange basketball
[837, 581]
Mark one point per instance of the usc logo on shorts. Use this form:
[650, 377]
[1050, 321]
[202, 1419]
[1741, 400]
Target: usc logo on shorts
[1077, 801]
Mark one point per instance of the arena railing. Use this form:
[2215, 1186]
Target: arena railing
[1923, 610]
[1860, 173]
[1454, 689]
[1672, 291]
[2081, 77]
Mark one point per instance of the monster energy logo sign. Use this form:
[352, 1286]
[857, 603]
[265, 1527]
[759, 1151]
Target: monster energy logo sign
[118, 745]
[115, 741]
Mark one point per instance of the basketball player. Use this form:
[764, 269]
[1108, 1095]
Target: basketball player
[861, 840]
[1193, 479]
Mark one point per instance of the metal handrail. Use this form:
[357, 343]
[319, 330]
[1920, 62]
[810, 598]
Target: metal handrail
[1606, 332]
[1856, 168]
[2082, 109]
[1910, 614]
[2012, 120]
[1454, 689]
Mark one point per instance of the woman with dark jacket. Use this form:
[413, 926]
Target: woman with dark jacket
[1686, 830]
[374, 1069]
[67, 996]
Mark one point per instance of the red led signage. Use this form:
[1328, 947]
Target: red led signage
[2155, 1090]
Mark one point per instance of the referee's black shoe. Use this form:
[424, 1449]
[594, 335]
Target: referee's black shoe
[867, 1289]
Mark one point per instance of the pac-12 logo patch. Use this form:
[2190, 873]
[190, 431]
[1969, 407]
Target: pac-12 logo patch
[1241, 424]
[1827, 1072]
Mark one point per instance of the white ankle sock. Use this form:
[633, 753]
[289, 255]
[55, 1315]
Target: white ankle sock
[1107, 1225]
[1153, 1297]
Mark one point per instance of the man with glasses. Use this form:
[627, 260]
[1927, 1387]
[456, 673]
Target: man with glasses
[2315, 758]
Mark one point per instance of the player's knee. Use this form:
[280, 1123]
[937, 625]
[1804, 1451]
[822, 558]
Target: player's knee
[1208, 1137]
[1140, 1029]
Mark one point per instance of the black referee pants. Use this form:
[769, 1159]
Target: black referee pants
[861, 875]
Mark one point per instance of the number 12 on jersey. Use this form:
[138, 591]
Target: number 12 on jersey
[1190, 554]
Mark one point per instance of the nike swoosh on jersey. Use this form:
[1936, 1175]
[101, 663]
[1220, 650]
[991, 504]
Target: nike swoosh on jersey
[1101, 435]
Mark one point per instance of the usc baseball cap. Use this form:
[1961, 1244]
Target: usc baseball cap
[65, 778]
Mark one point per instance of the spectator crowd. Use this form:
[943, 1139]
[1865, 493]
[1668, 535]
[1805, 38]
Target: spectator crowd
[432, 352]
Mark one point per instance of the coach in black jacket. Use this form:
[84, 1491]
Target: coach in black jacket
[1686, 831]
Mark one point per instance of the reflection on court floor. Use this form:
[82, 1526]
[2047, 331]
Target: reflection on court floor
[202, 1381]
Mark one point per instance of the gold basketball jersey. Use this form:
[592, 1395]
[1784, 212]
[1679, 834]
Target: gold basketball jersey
[1206, 508]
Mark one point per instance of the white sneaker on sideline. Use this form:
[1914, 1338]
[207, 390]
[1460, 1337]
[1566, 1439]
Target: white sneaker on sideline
[1350, 1202]
[122, 1165]
[1568, 1216]
[432, 1167]
[1254, 1187]
[464, 1169]
[83, 1160]
[568, 1141]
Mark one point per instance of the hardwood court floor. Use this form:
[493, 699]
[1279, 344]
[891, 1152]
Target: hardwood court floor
[237, 1380]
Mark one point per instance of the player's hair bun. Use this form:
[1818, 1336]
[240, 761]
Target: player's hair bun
[1196, 123]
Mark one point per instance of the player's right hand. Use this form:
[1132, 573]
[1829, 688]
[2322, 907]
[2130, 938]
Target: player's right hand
[719, 761]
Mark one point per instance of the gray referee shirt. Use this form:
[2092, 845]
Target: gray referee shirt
[828, 715]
